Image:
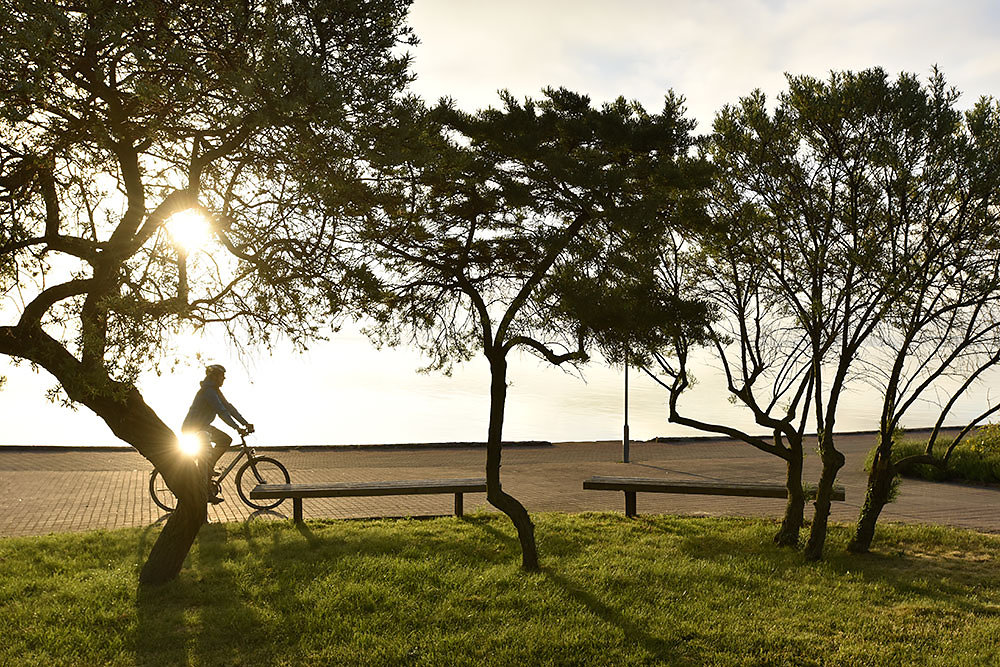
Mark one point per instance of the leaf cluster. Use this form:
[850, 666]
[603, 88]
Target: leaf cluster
[117, 114]
[517, 223]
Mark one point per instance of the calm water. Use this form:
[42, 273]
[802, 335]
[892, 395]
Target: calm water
[346, 392]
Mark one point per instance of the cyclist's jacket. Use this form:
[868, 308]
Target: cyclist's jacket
[209, 403]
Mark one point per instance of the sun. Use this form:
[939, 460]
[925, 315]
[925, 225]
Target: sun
[189, 229]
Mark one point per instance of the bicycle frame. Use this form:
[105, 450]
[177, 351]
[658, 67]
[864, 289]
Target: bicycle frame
[263, 469]
[245, 451]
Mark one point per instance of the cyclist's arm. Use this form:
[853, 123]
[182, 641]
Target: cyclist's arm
[235, 413]
[222, 410]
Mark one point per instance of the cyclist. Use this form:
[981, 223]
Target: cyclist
[208, 404]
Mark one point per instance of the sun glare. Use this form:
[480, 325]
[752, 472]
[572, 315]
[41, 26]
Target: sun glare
[189, 229]
[189, 443]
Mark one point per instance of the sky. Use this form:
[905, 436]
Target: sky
[712, 52]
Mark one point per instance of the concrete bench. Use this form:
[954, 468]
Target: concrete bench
[392, 488]
[633, 485]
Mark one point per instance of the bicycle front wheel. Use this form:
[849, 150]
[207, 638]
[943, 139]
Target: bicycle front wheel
[161, 493]
[260, 470]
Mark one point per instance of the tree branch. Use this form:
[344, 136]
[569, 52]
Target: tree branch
[552, 357]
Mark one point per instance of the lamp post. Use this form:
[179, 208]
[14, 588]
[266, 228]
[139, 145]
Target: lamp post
[625, 438]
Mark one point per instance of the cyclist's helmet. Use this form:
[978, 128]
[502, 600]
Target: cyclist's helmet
[215, 369]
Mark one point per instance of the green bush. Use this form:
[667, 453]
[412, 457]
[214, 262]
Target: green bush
[976, 459]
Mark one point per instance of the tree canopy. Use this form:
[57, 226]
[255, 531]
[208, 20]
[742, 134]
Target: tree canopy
[502, 229]
[856, 219]
[115, 117]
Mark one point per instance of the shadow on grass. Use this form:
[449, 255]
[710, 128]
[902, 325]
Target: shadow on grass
[261, 514]
[910, 575]
[310, 536]
[659, 648]
[931, 578]
[325, 543]
[191, 618]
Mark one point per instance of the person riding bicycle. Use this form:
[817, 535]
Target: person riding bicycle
[208, 404]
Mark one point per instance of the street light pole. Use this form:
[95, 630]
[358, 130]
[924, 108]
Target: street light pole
[625, 439]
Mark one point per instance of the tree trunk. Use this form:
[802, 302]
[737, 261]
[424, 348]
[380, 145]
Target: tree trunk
[791, 524]
[504, 502]
[166, 558]
[833, 461]
[126, 413]
[877, 497]
[137, 424]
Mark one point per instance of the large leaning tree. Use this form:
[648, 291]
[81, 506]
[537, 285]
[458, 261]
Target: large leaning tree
[491, 225]
[114, 117]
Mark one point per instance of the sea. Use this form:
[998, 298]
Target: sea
[345, 391]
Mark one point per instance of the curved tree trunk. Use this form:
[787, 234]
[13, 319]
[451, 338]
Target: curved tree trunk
[136, 423]
[833, 461]
[126, 413]
[505, 502]
[172, 546]
[877, 497]
[791, 523]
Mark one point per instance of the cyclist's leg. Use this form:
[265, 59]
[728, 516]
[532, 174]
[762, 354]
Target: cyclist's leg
[222, 442]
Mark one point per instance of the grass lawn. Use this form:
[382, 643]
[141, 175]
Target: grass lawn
[653, 590]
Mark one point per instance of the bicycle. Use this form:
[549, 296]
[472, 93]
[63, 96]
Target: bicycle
[264, 469]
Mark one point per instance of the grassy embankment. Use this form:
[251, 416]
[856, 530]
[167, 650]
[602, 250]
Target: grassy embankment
[447, 591]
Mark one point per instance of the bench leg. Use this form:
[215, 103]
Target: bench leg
[630, 504]
[458, 504]
[297, 510]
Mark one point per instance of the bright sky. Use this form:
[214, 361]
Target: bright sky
[711, 52]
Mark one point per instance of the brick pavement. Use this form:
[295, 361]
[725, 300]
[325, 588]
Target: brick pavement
[82, 489]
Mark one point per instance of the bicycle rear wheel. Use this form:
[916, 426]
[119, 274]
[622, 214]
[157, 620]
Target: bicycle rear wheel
[260, 470]
[161, 493]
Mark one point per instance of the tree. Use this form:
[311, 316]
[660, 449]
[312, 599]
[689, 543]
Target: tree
[809, 190]
[943, 333]
[115, 117]
[497, 222]
[762, 354]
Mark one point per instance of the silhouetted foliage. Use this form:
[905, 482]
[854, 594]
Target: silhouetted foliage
[942, 333]
[850, 212]
[502, 229]
[117, 115]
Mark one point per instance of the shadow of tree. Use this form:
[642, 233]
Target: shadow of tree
[183, 621]
[347, 586]
[907, 575]
[659, 648]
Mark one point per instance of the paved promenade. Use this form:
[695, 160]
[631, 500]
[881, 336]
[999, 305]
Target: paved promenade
[80, 489]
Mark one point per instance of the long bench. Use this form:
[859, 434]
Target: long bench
[404, 487]
[633, 485]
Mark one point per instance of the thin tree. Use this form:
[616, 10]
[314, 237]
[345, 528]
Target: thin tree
[116, 116]
[762, 354]
[943, 333]
[499, 218]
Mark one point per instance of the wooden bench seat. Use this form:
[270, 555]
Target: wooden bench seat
[633, 485]
[404, 487]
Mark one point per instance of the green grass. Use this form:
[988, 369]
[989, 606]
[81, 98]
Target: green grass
[654, 590]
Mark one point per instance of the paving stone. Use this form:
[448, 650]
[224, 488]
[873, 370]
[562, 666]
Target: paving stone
[75, 489]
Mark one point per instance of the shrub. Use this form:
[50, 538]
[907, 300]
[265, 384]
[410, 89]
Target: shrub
[976, 459]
